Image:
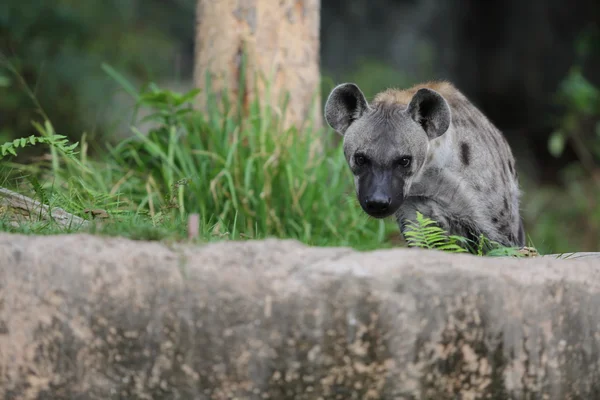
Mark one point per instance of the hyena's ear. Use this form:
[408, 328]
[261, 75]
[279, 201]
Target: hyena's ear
[429, 109]
[345, 104]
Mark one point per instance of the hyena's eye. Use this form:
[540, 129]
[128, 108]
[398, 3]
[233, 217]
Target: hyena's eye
[360, 160]
[405, 161]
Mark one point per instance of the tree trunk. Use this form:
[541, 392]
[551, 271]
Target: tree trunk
[281, 41]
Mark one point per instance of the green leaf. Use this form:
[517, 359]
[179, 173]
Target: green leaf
[189, 96]
[452, 247]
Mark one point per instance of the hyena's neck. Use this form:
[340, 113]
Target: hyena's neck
[440, 153]
[432, 176]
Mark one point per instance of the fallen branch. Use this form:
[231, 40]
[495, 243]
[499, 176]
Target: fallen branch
[15, 207]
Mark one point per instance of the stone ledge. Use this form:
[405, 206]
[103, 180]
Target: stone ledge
[108, 318]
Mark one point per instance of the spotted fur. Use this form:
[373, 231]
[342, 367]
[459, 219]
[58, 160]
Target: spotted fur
[464, 173]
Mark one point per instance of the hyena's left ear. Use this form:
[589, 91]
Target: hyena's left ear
[345, 104]
[429, 109]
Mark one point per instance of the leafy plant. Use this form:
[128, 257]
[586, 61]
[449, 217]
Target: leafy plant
[59, 142]
[425, 233]
[242, 174]
[245, 175]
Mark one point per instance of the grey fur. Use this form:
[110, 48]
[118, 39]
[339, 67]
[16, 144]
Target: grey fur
[462, 173]
[431, 111]
[345, 105]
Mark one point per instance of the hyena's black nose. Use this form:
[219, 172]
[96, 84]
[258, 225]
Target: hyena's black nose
[378, 204]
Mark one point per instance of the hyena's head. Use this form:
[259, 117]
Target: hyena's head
[386, 142]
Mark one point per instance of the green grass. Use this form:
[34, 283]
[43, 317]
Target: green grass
[247, 178]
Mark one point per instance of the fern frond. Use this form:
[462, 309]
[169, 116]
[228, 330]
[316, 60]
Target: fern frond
[59, 142]
[425, 233]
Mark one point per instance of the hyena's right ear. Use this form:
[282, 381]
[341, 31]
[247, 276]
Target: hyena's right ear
[345, 104]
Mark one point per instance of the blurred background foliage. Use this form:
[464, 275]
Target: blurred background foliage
[533, 67]
[58, 46]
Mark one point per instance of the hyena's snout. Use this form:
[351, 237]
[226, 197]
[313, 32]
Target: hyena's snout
[380, 196]
[377, 204]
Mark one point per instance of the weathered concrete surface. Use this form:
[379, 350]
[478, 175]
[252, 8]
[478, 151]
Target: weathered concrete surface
[572, 256]
[83, 317]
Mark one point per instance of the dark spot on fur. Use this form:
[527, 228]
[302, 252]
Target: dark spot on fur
[495, 220]
[477, 187]
[465, 153]
[505, 229]
[505, 203]
[403, 226]
[510, 167]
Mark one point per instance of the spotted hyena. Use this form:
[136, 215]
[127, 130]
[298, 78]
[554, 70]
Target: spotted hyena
[429, 149]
